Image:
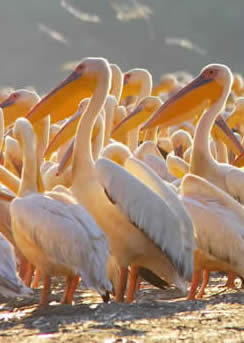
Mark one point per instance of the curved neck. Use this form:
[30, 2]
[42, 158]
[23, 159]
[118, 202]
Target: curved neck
[83, 168]
[28, 182]
[146, 89]
[117, 85]
[201, 143]
[221, 152]
[9, 180]
[98, 140]
[109, 114]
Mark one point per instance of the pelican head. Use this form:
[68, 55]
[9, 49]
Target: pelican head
[237, 85]
[214, 81]
[23, 128]
[237, 115]
[17, 104]
[181, 140]
[63, 100]
[133, 81]
[142, 112]
[166, 84]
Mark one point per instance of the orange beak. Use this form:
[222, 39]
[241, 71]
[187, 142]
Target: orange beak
[63, 101]
[66, 160]
[129, 123]
[227, 136]
[64, 134]
[188, 102]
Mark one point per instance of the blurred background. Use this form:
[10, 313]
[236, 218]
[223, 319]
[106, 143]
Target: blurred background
[38, 38]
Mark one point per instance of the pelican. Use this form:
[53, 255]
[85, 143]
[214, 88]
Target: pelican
[106, 190]
[219, 228]
[209, 90]
[19, 104]
[52, 231]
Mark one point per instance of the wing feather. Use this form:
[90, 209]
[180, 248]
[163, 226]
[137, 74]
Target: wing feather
[67, 234]
[148, 211]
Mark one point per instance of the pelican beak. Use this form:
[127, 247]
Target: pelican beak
[130, 88]
[6, 196]
[188, 102]
[239, 161]
[178, 150]
[12, 110]
[129, 123]
[6, 103]
[227, 136]
[66, 160]
[66, 132]
[63, 100]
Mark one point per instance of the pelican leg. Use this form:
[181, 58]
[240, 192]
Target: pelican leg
[230, 283]
[36, 280]
[132, 283]
[23, 267]
[71, 284]
[29, 274]
[120, 289]
[45, 290]
[194, 284]
[204, 284]
[66, 291]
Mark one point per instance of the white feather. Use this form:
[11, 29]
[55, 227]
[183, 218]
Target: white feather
[149, 212]
[67, 234]
[218, 220]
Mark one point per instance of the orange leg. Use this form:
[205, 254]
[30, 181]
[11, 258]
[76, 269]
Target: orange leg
[36, 280]
[132, 284]
[71, 284]
[194, 284]
[45, 290]
[23, 267]
[120, 289]
[204, 284]
[28, 275]
[231, 280]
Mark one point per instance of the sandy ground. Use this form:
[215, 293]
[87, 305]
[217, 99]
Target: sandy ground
[156, 316]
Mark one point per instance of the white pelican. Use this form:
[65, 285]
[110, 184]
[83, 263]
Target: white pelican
[219, 229]
[54, 233]
[209, 90]
[162, 244]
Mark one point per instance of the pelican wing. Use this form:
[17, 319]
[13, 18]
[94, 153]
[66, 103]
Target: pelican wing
[66, 233]
[234, 180]
[218, 220]
[148, 211]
